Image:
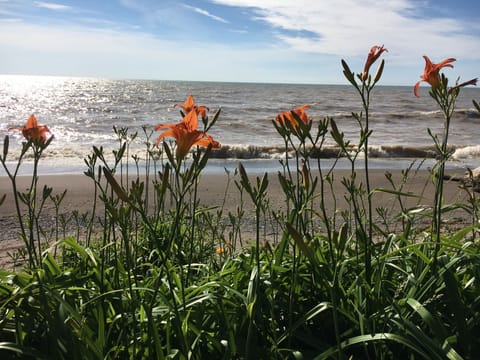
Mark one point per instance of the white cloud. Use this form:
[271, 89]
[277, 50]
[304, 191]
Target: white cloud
[52, 6]
[350, 27]
[71, 40]
[11, 20]
[206, 13]
[81, 51]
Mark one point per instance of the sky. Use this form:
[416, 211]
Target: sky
[279, 41]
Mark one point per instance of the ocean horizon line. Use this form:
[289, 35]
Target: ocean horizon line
[252, 82]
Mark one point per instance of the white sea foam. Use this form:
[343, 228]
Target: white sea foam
[467, 152]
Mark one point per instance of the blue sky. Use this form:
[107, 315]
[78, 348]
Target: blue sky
[292, 41]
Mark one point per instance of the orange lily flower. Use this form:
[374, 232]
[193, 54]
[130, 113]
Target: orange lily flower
[431, 73]
[286, 118]
[189, 105]
[373, 55]
[32, 130]
[190, 121]
[186, 135]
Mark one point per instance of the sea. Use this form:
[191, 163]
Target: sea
[82, 113]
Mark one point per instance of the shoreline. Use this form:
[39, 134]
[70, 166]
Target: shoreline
[213, 192]
[217, 166]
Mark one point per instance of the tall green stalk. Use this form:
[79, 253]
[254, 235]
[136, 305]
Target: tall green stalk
[257, 194]
[445, 98]
[31, 232]
[446, 101]
[364, 224]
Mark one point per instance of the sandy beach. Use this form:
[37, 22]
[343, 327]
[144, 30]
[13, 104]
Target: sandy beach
[212, 192]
